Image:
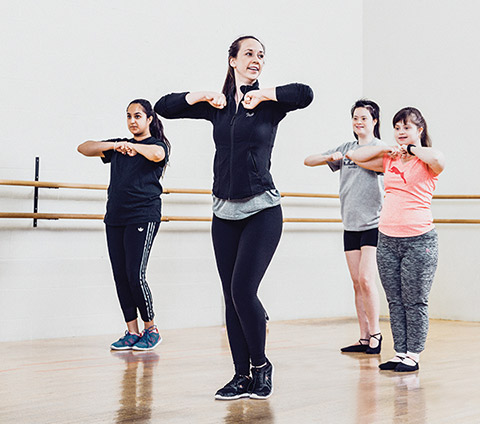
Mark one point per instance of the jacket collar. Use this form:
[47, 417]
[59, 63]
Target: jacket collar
[246, 88]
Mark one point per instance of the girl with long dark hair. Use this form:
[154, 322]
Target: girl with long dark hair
[361, 198]
[247, 216]
[133, 216]
[407, 251]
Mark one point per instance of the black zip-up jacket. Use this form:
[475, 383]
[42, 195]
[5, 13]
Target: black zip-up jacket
[243, 138]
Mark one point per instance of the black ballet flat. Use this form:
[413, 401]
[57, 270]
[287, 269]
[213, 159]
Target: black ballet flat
[401, 367]
[357, 347]
[375, 350]
[390, 365]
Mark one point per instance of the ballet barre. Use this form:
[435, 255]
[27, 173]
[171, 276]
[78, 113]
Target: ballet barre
[83, 216]
[46, 184]
[57, 216]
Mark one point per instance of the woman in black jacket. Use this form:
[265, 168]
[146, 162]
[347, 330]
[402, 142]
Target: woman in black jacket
[247, 216]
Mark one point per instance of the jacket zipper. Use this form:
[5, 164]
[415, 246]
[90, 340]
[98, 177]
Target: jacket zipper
[232, 128]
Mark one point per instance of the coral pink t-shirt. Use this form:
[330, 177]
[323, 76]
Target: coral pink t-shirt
[409, 189]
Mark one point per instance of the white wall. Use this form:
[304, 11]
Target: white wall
[69, 70]
[425, 54]
[71, 67]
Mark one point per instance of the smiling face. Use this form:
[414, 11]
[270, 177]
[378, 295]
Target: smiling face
[406, 132]
[137, 121]
[363, 123]
[249, 62]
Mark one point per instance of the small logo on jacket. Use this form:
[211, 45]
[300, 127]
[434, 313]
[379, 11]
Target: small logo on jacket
[140, 229]
[249, 114]
[395, 170]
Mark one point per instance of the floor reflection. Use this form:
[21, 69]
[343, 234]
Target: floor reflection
[409, 399]
[136, 387]
[249, 411]
[367, 388]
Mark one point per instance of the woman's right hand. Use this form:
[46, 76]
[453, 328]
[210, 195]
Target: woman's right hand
[394, 151]
[335, 156]
[217, 100]
[121, 147]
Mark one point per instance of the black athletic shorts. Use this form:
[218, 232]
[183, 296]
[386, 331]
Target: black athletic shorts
[354, 240]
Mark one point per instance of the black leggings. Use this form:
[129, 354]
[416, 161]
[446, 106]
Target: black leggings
[129, 248]
[243, 250]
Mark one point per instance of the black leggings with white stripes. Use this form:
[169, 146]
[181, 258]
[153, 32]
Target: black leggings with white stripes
[129, 248]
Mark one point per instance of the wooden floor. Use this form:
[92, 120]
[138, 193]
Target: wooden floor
[78, 380]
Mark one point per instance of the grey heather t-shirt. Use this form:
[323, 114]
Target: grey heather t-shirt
[361, 190]
[243, 208]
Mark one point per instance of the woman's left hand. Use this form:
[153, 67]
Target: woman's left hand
[253, 98]
[404, 150]
[130, 149]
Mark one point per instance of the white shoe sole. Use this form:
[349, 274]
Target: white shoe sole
[120, 348]
[255, 396]
[243, 395]
[135, 347]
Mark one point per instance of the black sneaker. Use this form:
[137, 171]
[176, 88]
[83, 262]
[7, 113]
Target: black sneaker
[262, 382]
[235, 389]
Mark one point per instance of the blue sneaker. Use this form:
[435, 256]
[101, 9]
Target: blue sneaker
[126, 342]
[149, 340]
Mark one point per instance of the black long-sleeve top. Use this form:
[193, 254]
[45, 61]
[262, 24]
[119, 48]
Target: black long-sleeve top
[244, 138]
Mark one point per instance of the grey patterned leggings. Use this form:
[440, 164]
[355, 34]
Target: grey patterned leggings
[407, 266]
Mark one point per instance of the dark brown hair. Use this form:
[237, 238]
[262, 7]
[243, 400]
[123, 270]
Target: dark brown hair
[414, 116]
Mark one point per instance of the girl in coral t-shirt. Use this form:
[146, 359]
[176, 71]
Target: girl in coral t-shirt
[407, 252]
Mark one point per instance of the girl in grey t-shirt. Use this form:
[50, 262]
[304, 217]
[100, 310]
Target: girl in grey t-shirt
[361, 197]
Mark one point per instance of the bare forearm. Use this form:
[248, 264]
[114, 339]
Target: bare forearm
[317, 160]
[95, 148]
[269, 93]
[195, 97]
[369, 157]
[149, 151]
[432, 157]
[367, 153]
[217, 100]
[253, 98]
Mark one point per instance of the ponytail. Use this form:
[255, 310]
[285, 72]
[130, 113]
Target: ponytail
[229, 83]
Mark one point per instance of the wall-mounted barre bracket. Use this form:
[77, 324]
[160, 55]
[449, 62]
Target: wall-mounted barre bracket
[35, 190]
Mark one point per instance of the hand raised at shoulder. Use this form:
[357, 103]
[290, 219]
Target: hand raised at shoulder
[253, 98]
[217, 100]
